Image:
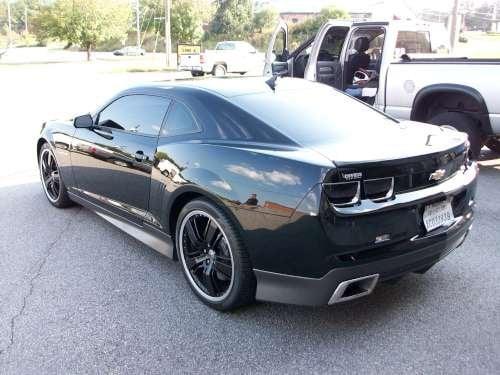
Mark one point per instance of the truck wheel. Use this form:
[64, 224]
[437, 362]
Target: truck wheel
[219, 70]
[494, 145]
[462, 123]
[195, 73]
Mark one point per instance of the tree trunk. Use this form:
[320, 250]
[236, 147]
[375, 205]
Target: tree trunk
[89, 50]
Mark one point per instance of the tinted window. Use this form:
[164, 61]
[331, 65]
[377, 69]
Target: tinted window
[315, 115]
[226, 121]
[179, 121]
[135, 113]
[414, 41]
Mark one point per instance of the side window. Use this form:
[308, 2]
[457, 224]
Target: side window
[179, 121]
[135, 113]
[332, 43]
[413, 42]
[280, 46]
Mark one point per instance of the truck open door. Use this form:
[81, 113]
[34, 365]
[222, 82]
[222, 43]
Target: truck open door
[276, 60]
[325, 62]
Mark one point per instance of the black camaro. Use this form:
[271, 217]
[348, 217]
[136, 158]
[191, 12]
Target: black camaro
[292, 192]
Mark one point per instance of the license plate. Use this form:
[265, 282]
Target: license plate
[437, 214]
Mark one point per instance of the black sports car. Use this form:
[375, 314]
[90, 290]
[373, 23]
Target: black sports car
[290, 191]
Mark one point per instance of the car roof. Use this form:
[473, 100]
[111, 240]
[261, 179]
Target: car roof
[229, 87]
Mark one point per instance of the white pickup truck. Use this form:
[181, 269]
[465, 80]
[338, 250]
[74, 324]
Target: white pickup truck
[228, 57]
[411, 79]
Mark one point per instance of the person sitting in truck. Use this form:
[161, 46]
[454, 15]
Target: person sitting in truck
[360, 61]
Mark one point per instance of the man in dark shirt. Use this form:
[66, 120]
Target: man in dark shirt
[360, 61]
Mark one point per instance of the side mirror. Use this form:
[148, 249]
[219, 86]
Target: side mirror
[84, 121]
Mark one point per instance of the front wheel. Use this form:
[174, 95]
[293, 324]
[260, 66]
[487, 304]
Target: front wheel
[462, 123]
[494, 145]
[196, 73]
[50, 176]
[213, 256]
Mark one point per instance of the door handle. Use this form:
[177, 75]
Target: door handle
[139, 156]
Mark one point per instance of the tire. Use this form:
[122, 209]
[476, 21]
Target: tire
[243, 73]
[494, 145]
[463, 123]
[219, 70]
[52, 183]
[195, 73]
[214, 262]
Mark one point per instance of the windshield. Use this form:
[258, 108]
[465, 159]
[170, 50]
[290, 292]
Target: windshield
[315, 115]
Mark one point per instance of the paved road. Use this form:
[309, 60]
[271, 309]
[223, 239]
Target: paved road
[79, 296]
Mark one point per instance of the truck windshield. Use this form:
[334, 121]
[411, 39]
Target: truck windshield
[224, 46]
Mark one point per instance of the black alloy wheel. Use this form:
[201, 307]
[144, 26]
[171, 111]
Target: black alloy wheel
[213, 257]
[53, 186]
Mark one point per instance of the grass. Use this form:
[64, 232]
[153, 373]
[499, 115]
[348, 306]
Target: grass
[480, 45]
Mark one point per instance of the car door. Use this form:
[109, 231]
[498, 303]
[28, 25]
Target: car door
[112, 161]
[276, 59]
[329, 41]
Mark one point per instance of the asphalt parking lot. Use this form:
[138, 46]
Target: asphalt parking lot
[79, 296]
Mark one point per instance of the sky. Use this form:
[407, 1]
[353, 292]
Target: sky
[441, 5]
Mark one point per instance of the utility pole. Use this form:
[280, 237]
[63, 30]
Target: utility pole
[494, 24]
[168, 41]
[26, 18]
[138, 23]
[9, 38]
[454, 23]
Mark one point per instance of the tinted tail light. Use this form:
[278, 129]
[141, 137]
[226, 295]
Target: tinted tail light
[202, 58]
[379, 189]
[343, 193]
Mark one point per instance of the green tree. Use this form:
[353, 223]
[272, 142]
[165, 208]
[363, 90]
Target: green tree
[308, 28]
[186, 21]
[84, 22]
[232, 18]
[264, 19]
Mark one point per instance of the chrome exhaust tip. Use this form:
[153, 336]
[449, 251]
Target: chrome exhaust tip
[354, 288]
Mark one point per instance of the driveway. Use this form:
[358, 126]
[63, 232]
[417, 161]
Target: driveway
[79, 296]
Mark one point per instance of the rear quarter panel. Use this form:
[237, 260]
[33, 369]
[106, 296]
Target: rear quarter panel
[405, 80]
[261, 187]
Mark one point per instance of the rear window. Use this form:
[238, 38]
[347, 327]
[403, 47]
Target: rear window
[315, 115]
[414, 42]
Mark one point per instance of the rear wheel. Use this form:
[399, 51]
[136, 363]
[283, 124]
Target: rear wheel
[494, 145]
[219, 70]
[52, 183]
[213, 256]
[195, 73]
[462, 123]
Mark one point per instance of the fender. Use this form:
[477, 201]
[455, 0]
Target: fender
[191, 189]
[418, 103]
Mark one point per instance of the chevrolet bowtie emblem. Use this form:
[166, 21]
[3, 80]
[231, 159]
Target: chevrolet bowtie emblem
[437, 175]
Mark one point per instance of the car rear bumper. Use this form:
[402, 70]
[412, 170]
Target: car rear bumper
[366, 267]
[298, 290]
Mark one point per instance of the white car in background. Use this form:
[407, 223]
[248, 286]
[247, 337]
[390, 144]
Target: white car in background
[130, 51]
[227, 57]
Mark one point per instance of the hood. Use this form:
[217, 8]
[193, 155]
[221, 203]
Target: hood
[407, 140]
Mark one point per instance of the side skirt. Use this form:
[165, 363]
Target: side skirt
[151, 237]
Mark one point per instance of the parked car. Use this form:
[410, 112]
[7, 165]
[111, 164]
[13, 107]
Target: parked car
[411, 80]
[286, 191]
[228, 57]
[130, 51]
